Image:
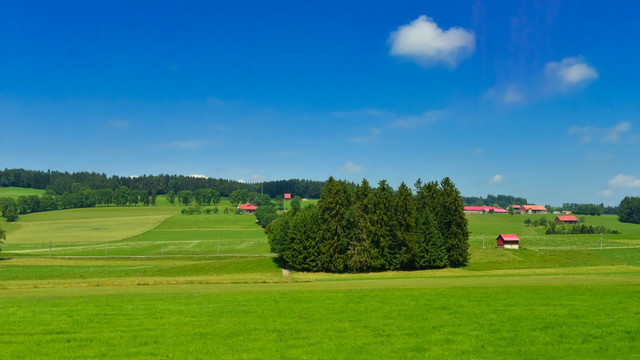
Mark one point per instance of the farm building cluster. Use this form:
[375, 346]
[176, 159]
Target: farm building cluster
[522, 209]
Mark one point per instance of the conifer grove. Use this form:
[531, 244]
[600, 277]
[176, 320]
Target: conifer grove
[360, 228]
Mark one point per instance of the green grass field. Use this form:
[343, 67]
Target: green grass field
[558, 297]
[14, 192]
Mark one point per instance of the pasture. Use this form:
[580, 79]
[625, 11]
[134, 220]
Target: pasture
[15, 192]
[559, 296]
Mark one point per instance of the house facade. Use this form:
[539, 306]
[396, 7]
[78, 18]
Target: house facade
[508, 241]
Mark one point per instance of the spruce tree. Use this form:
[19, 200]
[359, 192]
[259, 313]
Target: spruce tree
[430, 246]
[381, 206]
[453, 224]
[402, 247]
[304, 251]
[360, 253]
[333, 207]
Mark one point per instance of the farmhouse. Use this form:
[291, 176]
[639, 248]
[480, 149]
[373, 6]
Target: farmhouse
[567, 219]
[508, 241]
[534, 209]
[483, 209]
[516, 207]
[247, 208]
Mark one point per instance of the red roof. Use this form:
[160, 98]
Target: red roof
[287, 196]
[567, 218]
[484, 208]
[509, 237]
[534, 208]
[247, 207]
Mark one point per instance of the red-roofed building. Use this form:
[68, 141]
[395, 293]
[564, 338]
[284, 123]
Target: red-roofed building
[567, 219]
[287, 196]
[483, 209]
[247, 208]
[508, 241]
[534, 209]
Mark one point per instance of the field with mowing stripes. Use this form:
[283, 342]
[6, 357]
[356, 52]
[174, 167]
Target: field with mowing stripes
[559, 297]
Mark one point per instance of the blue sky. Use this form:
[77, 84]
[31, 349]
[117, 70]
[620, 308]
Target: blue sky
[534, 99]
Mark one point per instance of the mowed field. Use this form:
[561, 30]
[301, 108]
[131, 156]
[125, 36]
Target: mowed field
[559, 297]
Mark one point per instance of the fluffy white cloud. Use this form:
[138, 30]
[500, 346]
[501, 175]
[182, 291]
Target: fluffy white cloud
[351, 167]
[624, 181]
[199, 176]
[427, 44]
[570, 72]
[496, 179]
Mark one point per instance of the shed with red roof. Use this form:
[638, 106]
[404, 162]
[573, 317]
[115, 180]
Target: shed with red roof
[508, 241]
[287, 196]
[247, 208]
[534, 209]
[567, 219]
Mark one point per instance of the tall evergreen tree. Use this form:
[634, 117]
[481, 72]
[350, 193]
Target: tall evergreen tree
[304, 252]
[360, 252]
[381, 206]
[402, 246]
[453, 224]
[333, 208]
[278, 234]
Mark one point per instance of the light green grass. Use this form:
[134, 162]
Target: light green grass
[448, 314]
[15, 192]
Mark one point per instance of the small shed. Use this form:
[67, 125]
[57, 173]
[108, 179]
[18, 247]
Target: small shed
[508, 241]
[570, 219]
[287, 196]
[247, 208]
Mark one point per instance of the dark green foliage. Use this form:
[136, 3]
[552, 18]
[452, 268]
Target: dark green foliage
[453, 225]
[265, 214]
[303, 252]
[9, 210]
[402, 245]
[502, 201]
[58, 183]
[629, 210]
[333, 208]
[584, 209]
[296, 202]
[362, 229]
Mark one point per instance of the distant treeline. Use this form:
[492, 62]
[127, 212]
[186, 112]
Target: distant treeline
[359, 229]
[58, 183]
[501, 201]
[589, 209]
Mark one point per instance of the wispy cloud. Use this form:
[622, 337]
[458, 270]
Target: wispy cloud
[187, 144]
[496, 179]
[428, 45]
[624, 181]
[117, 124]
[199, 176]
[409, 122]
[612, 134]
[368, 138]
[351, 167]
[569, 72]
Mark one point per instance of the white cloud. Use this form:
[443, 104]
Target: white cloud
[241, 181]
[611, 135]
[368, 138]
[624, 181]
[351, 167]
[513, 95]
[415, 121]
[199, 176]
[607, 192]
[428, 45]
[496, 179]
[570, 72]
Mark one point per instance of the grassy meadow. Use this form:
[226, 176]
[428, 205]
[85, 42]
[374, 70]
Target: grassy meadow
[558, 297]
[15, 192]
